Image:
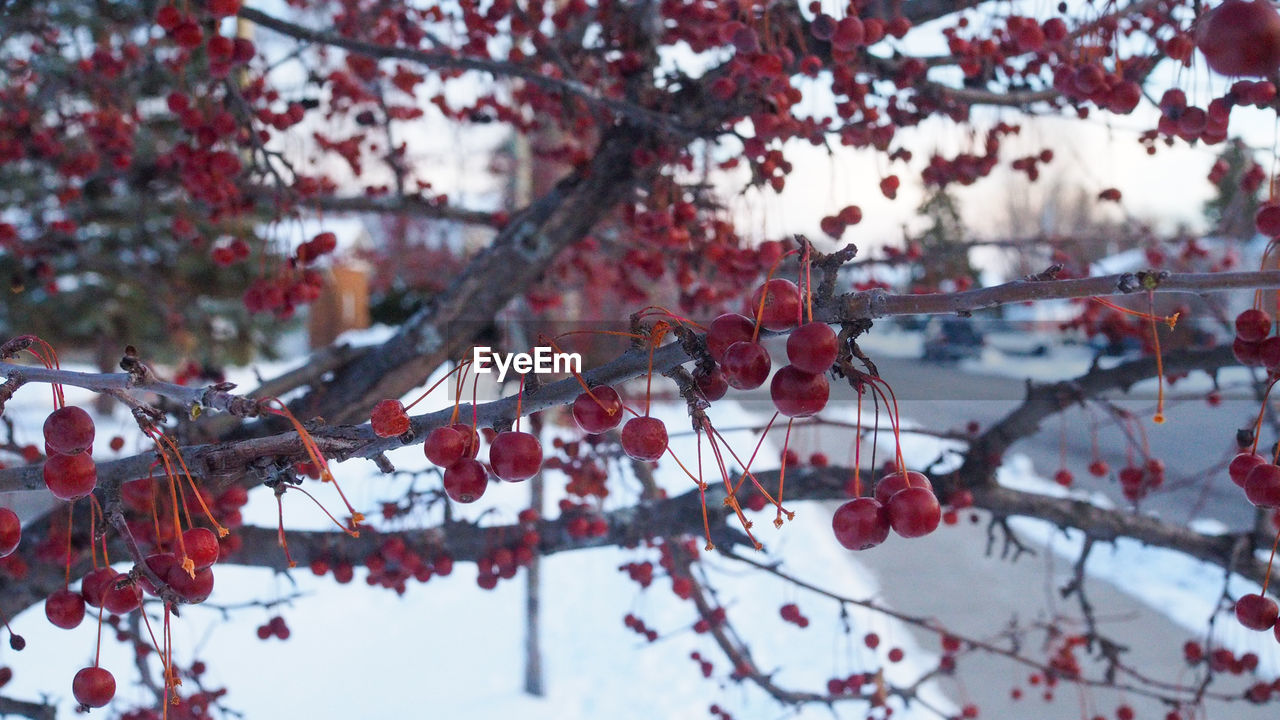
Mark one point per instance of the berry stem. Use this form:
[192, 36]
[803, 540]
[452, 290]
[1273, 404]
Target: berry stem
[424, 395]
[1267, 577]
[702, 494]
[764, 293]
[782, 475]
[1158, 418]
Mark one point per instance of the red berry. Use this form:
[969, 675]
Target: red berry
[68, 430]
[1267, 221]
[64, 608]
[746, 365]
[95, 583]
[644, 438]
[160, 564]
[1063, 477]
[781, 304]
[444, 446]
[1262, 486]
[1257, 612]
[861, 523]
[93, 687]
[890, 484]
[812, 347]
[914, 512]
[1248, 353]
[1099, 468]
[121, 599]
[202, 546]
[599, 411]
[515, 456]
[712, 385]
[10, 532]
[797, 393]
[389, 419]
[1241, 464]
[465, 481]
[1253, 325]
[727, 330]
[1241, 37]
[70, 477]
[192, 589]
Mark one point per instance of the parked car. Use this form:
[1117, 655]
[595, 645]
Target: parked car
[951, 339]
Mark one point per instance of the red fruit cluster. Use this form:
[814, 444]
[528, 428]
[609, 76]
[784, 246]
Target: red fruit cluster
[316, 248]
[275, 627]
[284, 293]
[582, 520]
[791, 613]
[69, 470]
[903, 502]
[1136, 481]
[704, 666]
[640, 572]
[634, 623]
[1254, 344]
[587, 472]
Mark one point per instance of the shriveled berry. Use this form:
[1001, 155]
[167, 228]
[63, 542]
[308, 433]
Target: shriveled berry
[389, 419]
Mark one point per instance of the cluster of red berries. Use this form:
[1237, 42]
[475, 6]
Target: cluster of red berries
[1220, 660]
[284, 293]
[1136, 481]
[902, 501]
[275, 627]
[634, 623]
[799, 389]
[582, 520]
[791, 613]
[69, 470]
[640, 572]
[587, 473]
[704, 666]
